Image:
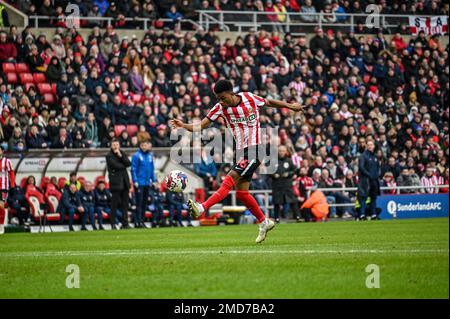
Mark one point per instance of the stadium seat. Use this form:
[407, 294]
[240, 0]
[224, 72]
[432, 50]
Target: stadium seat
[28, 86]
[23, 181]
[49, 98]
[26, 78]
[118, 129]
[36, 200]
[101, 178]
[61, 182]
[8, 67]
[44, 182]
[132, 129]
[11, 78]
[137, 98]
[366, 78]
[166, 214]
[44, 88]
[22, 68]
[82, 180]
[39, 78]
[54, 88]
[52, 197]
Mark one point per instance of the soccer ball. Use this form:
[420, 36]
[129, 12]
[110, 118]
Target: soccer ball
[176, 181]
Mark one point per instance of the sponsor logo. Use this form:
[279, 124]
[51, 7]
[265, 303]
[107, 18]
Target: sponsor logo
[249, 118]
[393, 208]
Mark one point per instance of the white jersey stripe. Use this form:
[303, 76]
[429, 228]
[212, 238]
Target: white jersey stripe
[242, 120]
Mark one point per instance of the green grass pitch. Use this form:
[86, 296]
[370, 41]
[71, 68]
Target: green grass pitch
[314, 260]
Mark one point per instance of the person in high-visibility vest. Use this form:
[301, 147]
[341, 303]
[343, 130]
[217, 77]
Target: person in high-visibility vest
[4, 19]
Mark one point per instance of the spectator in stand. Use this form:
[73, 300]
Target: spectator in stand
[389, 181]
[309, 9]
[174, 15]
[8, 51]
[429, 180]
[35, 139]
[70, 204]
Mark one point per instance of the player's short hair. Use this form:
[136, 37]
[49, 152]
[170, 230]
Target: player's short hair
[223, 86]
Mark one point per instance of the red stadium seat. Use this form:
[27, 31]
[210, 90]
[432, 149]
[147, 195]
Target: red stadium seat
[28, 86]
[35, 199]
[54, 88]
[44, 88]
[44, 182]
[62, 182]
[8, 67]
[118, 129]
[366, 78]
[11, 78]
[52, 197]
[49, 98]
[101, 178]
[132, 129]
[82, 180]
[39, 78]
[137, 98]
[26, 78]
[23, 181]
[22, 68]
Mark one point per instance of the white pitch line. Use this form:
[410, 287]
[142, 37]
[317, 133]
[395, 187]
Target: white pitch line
[218, 252]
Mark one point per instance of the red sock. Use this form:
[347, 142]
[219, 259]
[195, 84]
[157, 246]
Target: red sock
[220, 194]
[250, 202]
[2, 215]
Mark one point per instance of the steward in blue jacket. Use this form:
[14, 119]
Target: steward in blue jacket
[143, 175]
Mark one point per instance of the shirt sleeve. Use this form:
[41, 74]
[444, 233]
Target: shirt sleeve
[12, 177]
[215, 112]
[259, 101]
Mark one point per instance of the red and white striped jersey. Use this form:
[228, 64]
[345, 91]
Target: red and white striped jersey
[242, 120]
[297, 160]
[7, 177]
[429, 182]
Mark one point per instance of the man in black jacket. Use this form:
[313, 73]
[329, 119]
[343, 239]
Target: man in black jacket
[369, 184]
[119, 182]
[283, 196]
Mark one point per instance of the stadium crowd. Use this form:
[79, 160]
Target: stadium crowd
[179, 9]
[356, 89]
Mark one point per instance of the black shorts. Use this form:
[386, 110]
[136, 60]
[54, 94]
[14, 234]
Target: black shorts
[247, 164]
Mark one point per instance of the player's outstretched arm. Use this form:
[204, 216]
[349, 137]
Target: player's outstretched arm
[175, 123]
[296, 107]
